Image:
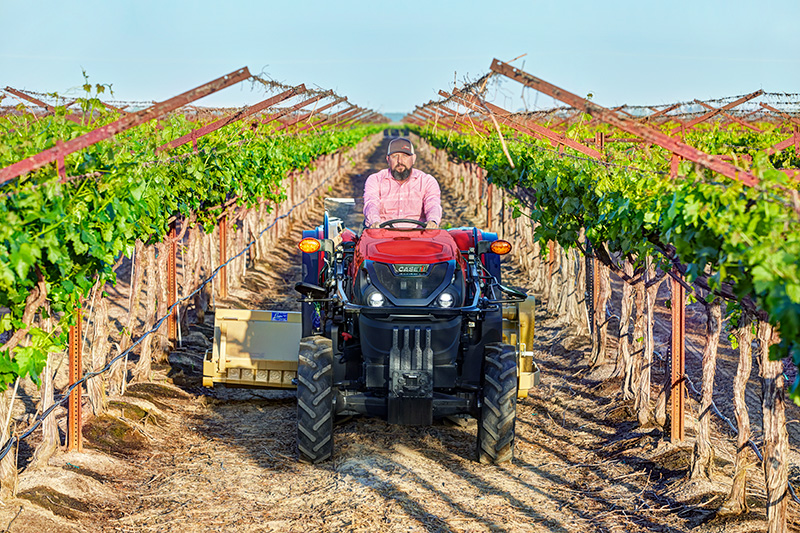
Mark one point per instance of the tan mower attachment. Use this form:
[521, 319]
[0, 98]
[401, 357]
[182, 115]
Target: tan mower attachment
[253, 349]
[260, 348]
[518, 330]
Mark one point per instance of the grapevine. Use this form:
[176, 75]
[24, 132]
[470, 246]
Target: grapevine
[743, 238]
[72, 231]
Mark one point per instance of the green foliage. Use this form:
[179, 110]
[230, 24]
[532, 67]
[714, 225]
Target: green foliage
[748, 237]
[124, 190]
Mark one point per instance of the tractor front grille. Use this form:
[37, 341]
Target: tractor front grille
[409, 285]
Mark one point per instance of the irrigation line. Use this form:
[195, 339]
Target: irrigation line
[16, 439]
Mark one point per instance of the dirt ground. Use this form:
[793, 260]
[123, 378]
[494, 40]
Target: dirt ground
[222, 459]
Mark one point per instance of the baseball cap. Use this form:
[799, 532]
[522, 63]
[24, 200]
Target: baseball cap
[400, 145]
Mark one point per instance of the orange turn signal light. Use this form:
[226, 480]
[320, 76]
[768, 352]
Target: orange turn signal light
[500, 247]
[309, 245]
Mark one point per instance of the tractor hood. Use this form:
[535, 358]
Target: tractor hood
[406, 246]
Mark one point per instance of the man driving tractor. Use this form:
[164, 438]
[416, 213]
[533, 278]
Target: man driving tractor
[402, 191]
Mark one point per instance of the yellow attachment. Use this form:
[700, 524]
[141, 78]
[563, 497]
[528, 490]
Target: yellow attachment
[527, 319]
[518, 330]
[259, 348]
[253, 349]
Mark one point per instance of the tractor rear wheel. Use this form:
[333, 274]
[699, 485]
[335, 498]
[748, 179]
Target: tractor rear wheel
[315, 399]
[499, 404]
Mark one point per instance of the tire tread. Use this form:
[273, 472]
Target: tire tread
[496, 425]
[315, 400]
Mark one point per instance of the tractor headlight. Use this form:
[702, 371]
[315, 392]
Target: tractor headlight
[375, 299]
[446, 299]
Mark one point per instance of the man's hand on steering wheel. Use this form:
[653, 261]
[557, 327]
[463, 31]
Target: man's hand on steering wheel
[390, 223]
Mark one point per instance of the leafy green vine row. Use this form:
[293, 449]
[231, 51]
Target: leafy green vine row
[72, 233]
[747, 238]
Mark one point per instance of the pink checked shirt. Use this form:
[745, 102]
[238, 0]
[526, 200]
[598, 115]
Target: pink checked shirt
[418, 197]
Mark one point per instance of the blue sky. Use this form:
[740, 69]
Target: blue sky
[391, 56]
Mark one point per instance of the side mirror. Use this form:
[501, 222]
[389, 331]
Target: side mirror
[482, 247]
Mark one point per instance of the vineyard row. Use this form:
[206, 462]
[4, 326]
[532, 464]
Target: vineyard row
[715, 209]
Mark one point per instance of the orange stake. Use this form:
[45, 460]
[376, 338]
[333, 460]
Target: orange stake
[74, 437]
[678, 362]
[172, 283]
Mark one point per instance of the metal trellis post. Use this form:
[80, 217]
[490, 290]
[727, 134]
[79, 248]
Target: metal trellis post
[172, 284]
[589, 292]
[677, 388]
[74, 437]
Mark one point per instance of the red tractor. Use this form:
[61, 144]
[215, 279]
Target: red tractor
[407, 324]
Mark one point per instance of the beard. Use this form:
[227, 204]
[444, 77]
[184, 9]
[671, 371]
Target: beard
[401, 175]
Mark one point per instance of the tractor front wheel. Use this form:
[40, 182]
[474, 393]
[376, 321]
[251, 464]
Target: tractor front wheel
[499, 404]
[315, 399]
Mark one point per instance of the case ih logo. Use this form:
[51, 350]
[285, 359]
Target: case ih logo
[410, 270]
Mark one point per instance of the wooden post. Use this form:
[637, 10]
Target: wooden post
[677, 390]
[674, 161]
[277, 223]
[590, 294]
[60, 162]
[502, 215]
[796, 137]
[489, 206]
[223, 256]
[600, 140]
[74, 436]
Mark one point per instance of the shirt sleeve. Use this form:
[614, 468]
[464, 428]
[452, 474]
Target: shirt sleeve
[372, 200]
[432, 200]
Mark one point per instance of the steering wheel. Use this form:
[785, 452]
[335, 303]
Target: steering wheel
[390, 223]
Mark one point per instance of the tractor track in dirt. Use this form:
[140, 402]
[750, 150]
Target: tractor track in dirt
[223, 459]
